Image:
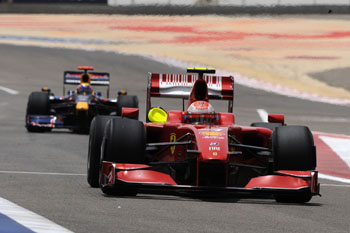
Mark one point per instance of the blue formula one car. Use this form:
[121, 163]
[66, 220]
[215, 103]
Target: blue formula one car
[77, 108]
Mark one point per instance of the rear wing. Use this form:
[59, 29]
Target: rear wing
[96, 79]
[180, 86]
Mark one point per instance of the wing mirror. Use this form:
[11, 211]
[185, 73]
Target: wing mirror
[132, 113]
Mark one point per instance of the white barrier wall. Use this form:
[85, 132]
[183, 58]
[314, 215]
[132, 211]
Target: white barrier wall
[227, 2]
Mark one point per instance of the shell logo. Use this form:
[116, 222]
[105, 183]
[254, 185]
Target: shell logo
[210, 133]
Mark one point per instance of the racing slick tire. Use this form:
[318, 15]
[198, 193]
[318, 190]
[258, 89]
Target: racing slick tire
[127, 101]
[293, 149]
[95, 140]
[38, 104]
[124, 142]
[271, 126]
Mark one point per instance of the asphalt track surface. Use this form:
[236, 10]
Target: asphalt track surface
[57, 188]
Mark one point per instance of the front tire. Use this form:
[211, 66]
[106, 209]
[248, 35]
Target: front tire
[293, 149]
[38, 104]
[95, 140]
[124, 142]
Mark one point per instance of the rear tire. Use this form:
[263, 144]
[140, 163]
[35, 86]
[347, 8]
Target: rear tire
[95, 140]
[38, 104]
[294, 149]
[124, 142]
[126, 101]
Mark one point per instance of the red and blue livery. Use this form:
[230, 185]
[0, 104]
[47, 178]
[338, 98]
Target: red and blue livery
[76, 109]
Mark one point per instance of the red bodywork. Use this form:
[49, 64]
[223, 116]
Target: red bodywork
[216, 157]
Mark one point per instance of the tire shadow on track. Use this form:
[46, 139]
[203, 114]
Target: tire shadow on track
[236, 199]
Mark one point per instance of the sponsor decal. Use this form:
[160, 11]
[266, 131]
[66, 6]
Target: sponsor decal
[70, 75]
[172, 139]
[186, 80]
[51, 124]
[214, 137]
[215, 153]
[96, 76]
[216, 129]
[211, 133]
[214, 143]
[216, 148]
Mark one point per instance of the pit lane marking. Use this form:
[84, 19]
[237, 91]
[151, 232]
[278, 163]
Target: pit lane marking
[15, 218]
[8, 90]
[262, 114]
[42, 173]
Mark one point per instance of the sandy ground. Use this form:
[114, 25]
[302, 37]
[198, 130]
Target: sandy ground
[281, 50]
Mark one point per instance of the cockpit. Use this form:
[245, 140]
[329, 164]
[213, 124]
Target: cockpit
[84, 90]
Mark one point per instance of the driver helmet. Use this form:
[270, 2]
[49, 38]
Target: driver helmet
[84, 89]
[200, 112]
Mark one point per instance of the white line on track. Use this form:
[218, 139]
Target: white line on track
[334, 178]
[27, 219]
[42, 173]
[262, 114]
[8, 90]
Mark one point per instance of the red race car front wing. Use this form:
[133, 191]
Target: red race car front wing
[143, 177]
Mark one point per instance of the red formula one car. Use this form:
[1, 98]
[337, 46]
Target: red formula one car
[198, 149]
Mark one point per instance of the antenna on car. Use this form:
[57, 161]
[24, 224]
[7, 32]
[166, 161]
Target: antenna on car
[201, 70]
